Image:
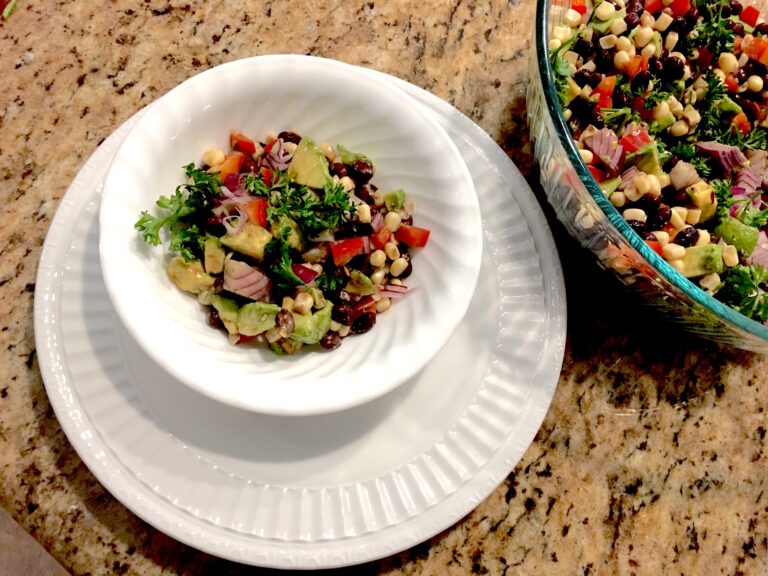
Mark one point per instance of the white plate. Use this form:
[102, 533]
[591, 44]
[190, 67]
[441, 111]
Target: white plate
[319, 491]
[328, 101]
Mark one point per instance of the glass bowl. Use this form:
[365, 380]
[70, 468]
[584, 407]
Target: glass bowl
[589, 217]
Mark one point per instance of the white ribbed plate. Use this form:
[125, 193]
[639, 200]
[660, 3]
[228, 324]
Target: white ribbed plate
[316, 491]
[329, 102]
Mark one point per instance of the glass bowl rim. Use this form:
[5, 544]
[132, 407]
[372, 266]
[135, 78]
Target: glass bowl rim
[660, 266]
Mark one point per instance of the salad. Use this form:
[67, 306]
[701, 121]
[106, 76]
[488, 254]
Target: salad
[287, 242]
[667, 103]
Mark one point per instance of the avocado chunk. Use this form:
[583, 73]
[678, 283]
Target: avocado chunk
[294, 237]
[701, 260]
[349, 158]
[394, 200]
[189, 276]
[735, 232]
[728, 106]
[310, 328]
[359, 283]
[610, 186]
[703, 197]
[646, 158]
[602, 27]
[214, 255]
[308, 166]
[256, 317]
[228, 312]
[251, 240]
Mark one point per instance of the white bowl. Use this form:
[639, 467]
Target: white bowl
[327, 101]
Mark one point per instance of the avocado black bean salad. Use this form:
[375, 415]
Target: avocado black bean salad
[286, 242]
[666, 101]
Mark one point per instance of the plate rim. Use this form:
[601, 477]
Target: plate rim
[550, 362]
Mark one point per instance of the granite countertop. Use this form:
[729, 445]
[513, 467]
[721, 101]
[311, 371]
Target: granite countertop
[653, 458]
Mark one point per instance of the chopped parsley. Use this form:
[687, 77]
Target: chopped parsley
[279, 260]
[188, 200]
[561, 70]
[617, 118]
[744, 291]
[312, 213]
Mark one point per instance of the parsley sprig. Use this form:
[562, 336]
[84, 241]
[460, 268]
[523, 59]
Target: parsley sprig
[189, 200]
[744, 291]
[311, 212]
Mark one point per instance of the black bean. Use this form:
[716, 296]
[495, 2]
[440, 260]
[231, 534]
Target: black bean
[285, 323]
[597, 119]
[736, 7]
[687, 237]
[725, 11]
[363, 323]
[620, 100]
[249, 166]
[407, 221]
[737, 27]
[584, 48]
[360, 171]
[342, 313]
[581, 109]
[289, 137]
[582, 77]
[353, 230]
[741, 76]
[655, 66]
[365, 193]
[330, 340]
[762, 28]
[213, 318]
[408, 269]
[649, 237]
[604, 60]
[658, 219]
[338, 169]
[632, 20]
[635, 7]
[750, 108]
[640, 81]
[218, 285]
[678, 25]
[638, 226]
[674, 68]
[649, 201]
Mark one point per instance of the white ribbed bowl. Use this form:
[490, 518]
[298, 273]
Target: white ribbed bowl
[327, 101]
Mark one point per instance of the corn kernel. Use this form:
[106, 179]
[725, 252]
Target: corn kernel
[378, 276]
[621, 59]
[398, 267]
[671, 41]
[642, 36]
[693, 216]
[663, 22]
[363, 213]
[608, 41]
[661, 237]
[648, 52]
[587, 155]
[384, 304]
[623, 43]
[618, 199]
[391, 250]
[213, 157]
[719, 74]
[647, 19]
[392, 221]
[677, 221]
[728, 63]
[672, 251]
[554, 44]
[618, 26]
[605, 11]
[328, 150]
[572, 18]
[661, 111]
[730, 256]
[675, 107]
[378, 258]
[691, 115]
[288, 303]
[755, 83]
[303, 303]
[344, 331]
[635, 214]
[704, 238]
[678, 265]
[642, 183]
[710, 282]
[562, 33]
[679, 128]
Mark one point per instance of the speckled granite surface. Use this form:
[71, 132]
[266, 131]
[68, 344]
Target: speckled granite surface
[653, 458]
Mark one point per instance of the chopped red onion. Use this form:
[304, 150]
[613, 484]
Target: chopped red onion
[244, 280]
[730, 157]
[377, 223]
[760, 253]
[605, 145]
[628, 176]
[305, 273]
[278, 156]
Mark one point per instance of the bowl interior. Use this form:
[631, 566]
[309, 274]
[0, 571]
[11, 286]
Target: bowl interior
[329, 102]
[549, 14]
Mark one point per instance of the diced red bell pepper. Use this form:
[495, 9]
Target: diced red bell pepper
[268, 176]
[636, 65]
[241, 143]
[634, 140]
[381, 238]
[749, 15]
[655, 246]
[763, 59]
[257, 211]
[680, 7]
[741, 123]
[231, 165]
[731, 83]
[598, 174]
[606, 86]
[412, 236]
[344, 250]
[653, 6]
[580, 6]
[243, 339]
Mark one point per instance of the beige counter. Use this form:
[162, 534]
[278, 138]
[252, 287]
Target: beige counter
[653, 457]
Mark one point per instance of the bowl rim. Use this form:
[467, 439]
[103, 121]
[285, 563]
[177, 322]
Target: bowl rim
[660, 266]
[333, 403]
